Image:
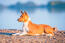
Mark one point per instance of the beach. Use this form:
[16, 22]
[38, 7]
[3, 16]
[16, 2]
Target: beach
[59, 37]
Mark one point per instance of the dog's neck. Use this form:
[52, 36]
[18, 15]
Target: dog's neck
[26, 23]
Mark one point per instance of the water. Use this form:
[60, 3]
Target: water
[8, 18]
[6, 33]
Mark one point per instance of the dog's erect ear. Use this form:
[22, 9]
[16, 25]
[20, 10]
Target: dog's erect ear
[22, 12]
[25, 12]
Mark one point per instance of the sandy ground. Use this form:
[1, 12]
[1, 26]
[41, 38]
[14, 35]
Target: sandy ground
[58, 38]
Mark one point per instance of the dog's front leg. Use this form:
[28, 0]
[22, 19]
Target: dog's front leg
[24, 30]
[23, 33]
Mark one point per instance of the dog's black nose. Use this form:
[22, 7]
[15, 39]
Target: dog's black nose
[17, 19]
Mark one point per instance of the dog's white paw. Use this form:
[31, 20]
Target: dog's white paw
[48, 34]
[23, 33]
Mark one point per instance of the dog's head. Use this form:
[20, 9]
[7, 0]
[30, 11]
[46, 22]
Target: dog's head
[24, 17]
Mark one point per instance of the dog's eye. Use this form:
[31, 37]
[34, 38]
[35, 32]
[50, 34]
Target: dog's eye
[22, 16]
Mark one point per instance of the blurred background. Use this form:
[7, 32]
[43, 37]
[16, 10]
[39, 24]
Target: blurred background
[50, 12]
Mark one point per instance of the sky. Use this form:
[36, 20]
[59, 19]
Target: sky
[38, 2]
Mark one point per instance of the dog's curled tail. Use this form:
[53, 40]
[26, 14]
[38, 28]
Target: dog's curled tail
[55, 29]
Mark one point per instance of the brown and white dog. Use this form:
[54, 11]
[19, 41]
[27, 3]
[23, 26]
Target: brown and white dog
[30, 28]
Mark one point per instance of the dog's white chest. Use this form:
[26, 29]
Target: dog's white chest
[25, 26]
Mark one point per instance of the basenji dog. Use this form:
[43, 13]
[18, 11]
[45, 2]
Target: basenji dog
[33, 29]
